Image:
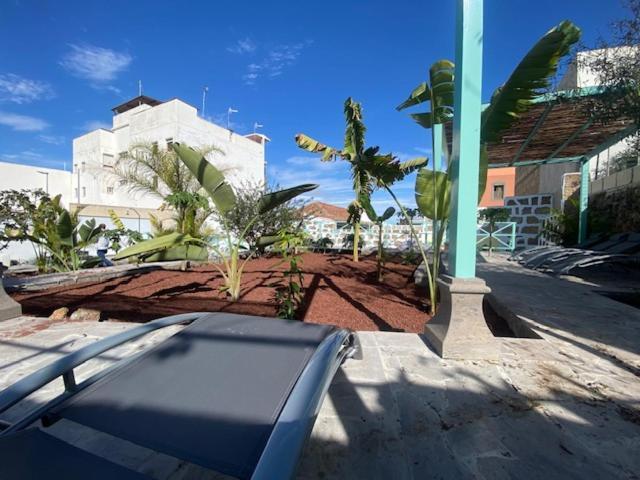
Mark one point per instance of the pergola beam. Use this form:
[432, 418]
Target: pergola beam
[571, 138]
[533, 131]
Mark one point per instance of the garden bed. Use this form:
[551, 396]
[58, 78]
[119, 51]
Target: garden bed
[338, 291]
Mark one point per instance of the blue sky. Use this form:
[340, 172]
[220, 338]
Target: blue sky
[286, 65]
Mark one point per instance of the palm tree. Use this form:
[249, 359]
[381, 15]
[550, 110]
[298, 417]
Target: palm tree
[359, 158]
[148, 169]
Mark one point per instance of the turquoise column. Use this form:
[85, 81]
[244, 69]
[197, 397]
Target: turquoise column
[466, 138]
[584, 199]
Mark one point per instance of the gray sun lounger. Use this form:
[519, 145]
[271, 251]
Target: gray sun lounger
[234, 394]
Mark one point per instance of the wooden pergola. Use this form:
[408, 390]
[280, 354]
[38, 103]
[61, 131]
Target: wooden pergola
[559, 129]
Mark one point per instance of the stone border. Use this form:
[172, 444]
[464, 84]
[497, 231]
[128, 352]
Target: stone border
[50, 280]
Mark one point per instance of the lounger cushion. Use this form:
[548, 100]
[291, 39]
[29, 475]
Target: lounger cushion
[35, 455]
[209, 395]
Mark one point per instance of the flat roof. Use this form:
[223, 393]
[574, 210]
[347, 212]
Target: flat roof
[134, 102]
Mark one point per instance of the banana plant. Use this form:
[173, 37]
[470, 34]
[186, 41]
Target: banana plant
[360, 158]
[379, 221]
[528, 81]
[223, 197]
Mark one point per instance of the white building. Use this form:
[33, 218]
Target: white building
[146, 120]
[92, 185]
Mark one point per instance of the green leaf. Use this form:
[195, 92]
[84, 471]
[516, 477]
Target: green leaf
[314, 146]
[274, 199]
[441, 76]
[423, 119]
[153, 245]
[354, 134]
[388, 213]
[530, 78]
[431, 188]
[365, 203]
[211, 179]
[88, 231]
[267, 240]
[64, 228]
[420, 94]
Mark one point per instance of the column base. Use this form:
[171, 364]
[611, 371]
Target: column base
[9, 308]
[459, 331]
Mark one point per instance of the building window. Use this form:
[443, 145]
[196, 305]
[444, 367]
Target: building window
[110, 190]
[497, 191]
[169, 142]
[75, 192]
[122, 183]
[84, 191]
[107, 160]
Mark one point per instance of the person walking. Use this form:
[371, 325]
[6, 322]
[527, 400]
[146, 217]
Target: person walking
[103, 247]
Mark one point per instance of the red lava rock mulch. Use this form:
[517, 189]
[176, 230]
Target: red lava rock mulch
[338, 291]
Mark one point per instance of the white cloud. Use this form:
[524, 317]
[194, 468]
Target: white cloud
[245, 45]
[52, 139]
[96, 64]
[91, 125]
[274, 63]
[22, 123]
[17, 89]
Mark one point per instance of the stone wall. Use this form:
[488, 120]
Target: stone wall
[393, 236]
[616, 181]
[529, 212]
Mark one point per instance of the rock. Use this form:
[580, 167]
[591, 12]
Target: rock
[86, 315]
[59, 314]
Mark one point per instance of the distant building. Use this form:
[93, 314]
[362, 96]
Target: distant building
[500, 184]
[92, 186]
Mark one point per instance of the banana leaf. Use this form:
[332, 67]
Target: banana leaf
[154, 244]
[311, 145]
[196, 253]
[426, 194]
[530, 78]
[274, 199]
[420, 94]
[211, 179]
[64, 228]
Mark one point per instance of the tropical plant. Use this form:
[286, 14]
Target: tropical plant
[378, 220]
[289, 296]
[492, 216]
[323, 244]
[159, 172]
[286, 217]
[18, 211]
[120, 232]
[359, 157]
[411, 214]
[615, 64]
[530, 79]
[58, 238]
[223, 197]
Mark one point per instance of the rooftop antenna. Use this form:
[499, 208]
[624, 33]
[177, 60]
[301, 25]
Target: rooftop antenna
[139, 88]
[256, 126]
[229, 112]
[204, 96]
